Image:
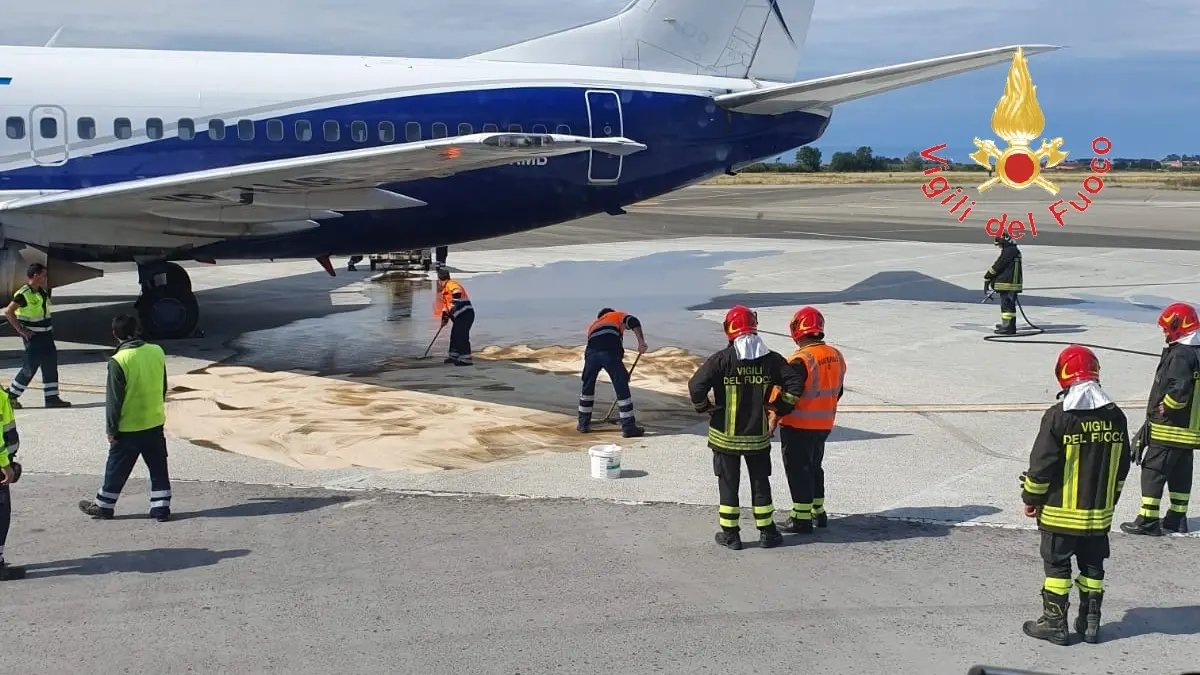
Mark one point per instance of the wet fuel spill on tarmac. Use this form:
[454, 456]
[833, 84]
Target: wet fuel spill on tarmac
[350, 389]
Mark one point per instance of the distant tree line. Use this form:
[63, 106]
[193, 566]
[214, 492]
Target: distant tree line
[808, 160]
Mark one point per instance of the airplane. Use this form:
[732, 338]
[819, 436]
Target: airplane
[156, 157]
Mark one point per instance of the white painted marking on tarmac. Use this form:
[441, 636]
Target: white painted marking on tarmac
[359, 502]
[853, 236]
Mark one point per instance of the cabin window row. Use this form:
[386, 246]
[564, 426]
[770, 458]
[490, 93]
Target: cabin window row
[302, 130]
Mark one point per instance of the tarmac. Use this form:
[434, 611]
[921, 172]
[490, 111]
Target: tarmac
[928, 565]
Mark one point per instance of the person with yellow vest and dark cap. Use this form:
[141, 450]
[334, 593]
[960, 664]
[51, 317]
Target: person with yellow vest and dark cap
[134, 419]
[1077, 470]
[30, 314]
[456, 306]
[605, 351]
[803, 432]
[747, 380]
[1006, 277]
[1167, 442]
[10, 472]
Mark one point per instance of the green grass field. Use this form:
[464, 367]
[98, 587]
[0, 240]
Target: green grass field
[1141, 179]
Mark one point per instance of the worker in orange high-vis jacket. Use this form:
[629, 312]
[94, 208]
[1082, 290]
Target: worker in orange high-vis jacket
[803, 431]
[456, 306]
[606, 351]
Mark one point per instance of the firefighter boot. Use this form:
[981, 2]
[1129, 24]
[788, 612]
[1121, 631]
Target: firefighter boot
[730, 538]
[1051, 626]
[769, 537]
[1006, 327]
[1087, 623]
[1143, 525]
[1175, 521]
[821, 519]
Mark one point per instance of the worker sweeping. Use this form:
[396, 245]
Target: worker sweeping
[803, 431]
[746, 380]
[606, 351]
[1077, 469]
[1006, 278]
[1171, 435]
[456, 306]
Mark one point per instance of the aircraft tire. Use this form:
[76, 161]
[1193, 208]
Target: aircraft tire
[177, 277]
[168, 313]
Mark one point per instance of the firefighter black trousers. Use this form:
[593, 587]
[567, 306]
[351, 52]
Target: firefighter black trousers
[40, 352]
[1089, 554]
[727, 467]
[5, 517]
[803, 453]
[151, 446]
[460, 336]
[1170, 468]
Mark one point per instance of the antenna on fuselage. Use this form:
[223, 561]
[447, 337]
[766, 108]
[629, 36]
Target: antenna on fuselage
[54, 38]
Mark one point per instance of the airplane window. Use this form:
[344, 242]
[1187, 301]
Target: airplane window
[515, 127]
[333, 130]
[49, 127]
[303, 130]
[412, 131]
[488, 128]
[187, 129]
[275, 130]
[358, 131]
[123, 128]
[154, 128]
[563, 129]
[216, 130]
[539, 128]
[15, 127]
[465, 129]
[85, 128]
[387, 132]
[246, 130]
[440, 130]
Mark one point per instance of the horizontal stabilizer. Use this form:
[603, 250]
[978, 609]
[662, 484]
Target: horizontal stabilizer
[825, 92]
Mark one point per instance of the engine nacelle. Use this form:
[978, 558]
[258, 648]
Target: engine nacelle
[14, 263]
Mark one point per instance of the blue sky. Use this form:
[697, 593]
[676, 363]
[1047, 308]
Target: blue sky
[1131, 70]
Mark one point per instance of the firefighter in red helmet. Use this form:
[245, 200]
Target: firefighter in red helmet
[1077, 469]
[746, 380]
[1171, 434]
[803, 431]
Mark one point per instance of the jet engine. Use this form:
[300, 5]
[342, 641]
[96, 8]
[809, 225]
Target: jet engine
[15, 259]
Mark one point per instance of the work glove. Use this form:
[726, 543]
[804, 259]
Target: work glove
[707, 407]
[1022, 479]
[987, 285]
[445, 318]
[1140, 441]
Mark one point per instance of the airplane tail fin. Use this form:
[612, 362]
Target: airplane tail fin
[761, 39]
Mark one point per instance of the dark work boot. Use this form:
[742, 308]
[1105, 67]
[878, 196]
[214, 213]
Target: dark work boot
[1051, 626]
[92, 509]
[56, 402]
[632, 430]
[731, 539]
[162, 514]
[1175, 521]
[769, 537]
[821, 519]
[794, 526]
[1087, 623]
[1143, 525]
[11, 572]
[583, 423]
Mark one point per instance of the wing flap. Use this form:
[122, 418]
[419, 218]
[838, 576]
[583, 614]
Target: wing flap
[825, 92]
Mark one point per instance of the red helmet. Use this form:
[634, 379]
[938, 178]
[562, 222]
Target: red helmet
[1177, 320]
[1076, 364]
[808, 321]
[739, 321]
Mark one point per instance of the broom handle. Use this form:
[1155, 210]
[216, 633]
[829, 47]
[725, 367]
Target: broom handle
[614, 405]
[435, 337]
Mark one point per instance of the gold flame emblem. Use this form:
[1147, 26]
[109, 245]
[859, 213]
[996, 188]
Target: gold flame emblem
[1018, 120]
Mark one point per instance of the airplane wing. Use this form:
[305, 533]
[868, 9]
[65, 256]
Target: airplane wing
[287, 194]
[825, 92]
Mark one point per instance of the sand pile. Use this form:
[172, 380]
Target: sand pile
[421, 415]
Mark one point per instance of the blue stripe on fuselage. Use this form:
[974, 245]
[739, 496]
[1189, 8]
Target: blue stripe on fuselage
[688, 138]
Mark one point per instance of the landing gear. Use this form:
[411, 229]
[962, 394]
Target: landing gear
[167, 306]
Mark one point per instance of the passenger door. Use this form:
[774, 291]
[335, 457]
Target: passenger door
[48, 135]
[604, 116]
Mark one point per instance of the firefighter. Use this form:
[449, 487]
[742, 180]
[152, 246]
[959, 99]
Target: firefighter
[10, 472]
[1006, 278]
[1172, 429]
[456, 306]
[805, 429]
[606, 351]
[30, 314]
[1077, 469]
[746, 380]
[134, 417]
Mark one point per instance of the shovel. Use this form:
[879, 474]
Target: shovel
[609, 418]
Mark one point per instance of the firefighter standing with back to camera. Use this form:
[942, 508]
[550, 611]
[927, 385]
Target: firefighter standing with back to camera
[1005, 276]
[606, 351]
[1077, 469]
[1171, 433]
[803, 431]
[746, 380]
[456, 306]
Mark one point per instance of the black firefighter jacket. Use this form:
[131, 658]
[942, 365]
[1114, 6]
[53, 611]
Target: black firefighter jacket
[743, 391]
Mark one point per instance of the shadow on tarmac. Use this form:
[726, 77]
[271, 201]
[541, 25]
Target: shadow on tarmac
[256, 506]
[152, 561]
[1183, 620]
[874, 528]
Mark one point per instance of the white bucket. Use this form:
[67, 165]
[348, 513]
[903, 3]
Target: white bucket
[606, 461]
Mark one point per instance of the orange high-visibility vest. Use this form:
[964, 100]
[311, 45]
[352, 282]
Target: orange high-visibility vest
[449, 303]
[816, 408]
[612, 323]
